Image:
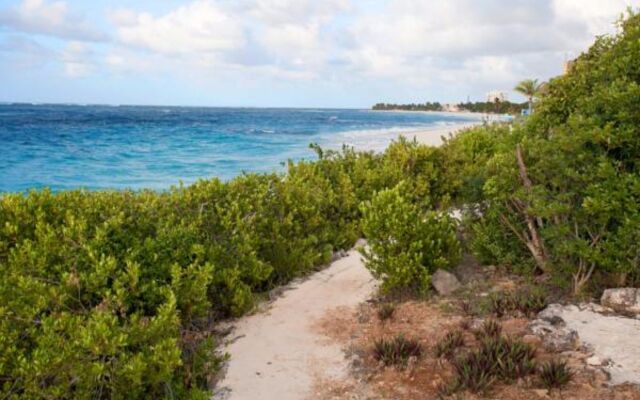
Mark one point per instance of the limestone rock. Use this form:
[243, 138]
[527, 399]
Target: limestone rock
[611, 339]
[555, 338]
[594, 361]
[552, 329]
[445, 282]
[625, 300]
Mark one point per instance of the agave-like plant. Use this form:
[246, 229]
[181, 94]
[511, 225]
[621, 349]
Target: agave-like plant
[555, 374]
[397, 350]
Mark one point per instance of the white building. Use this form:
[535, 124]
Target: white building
[496, 96]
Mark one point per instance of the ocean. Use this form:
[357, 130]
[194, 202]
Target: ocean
[119, 147]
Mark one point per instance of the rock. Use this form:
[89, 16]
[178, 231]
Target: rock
[612, 340]
[594, 361]
[338, 255]
[625, 300]
[552, 329]
[445, 282]
[542, 393]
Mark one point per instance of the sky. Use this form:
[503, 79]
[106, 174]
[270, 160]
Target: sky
[288, 53]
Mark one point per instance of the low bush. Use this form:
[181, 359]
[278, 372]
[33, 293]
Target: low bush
[396, 351]
[114, 294]
[406, 244]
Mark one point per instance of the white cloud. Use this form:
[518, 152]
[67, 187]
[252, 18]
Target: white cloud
[295, 11]
[201, 26]
[421, 46]
[49, 18]
[77, 59]
[474, 43]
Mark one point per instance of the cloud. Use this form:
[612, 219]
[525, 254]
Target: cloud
[200, 26]
[466, 42]
[49, 18]
[435, 49]
[295, 11]
[78, 60]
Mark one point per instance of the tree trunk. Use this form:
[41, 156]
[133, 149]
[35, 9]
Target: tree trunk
[534, 243]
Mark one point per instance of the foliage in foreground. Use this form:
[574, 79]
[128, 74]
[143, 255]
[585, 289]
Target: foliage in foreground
[115, 294]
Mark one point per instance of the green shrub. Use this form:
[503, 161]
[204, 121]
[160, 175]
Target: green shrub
[406, 244]
[113, 294]
[560, 189]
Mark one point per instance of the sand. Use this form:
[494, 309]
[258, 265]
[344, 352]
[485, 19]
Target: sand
[280, 353]
[433, 137]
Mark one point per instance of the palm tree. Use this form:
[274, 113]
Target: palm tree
[529, 88]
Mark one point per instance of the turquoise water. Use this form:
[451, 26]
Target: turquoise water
[96, 147]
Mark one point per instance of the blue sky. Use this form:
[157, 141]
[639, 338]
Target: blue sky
[302, 53]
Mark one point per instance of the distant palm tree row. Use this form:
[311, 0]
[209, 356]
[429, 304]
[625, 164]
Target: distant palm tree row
[529, 88]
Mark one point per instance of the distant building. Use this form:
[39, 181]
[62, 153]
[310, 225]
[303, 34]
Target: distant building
[568, 65]
[450, 107]
[497, 96]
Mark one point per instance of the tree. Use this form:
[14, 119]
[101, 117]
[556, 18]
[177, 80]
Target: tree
[529, 88]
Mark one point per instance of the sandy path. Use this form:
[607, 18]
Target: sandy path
[278, 354]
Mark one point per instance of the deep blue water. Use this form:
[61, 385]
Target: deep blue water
[63, 147]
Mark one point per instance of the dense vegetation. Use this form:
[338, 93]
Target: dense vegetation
[503, 107]
[486, 107]
[115, 294]
[428, 106]
[559, 194]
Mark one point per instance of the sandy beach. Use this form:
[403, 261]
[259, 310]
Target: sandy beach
[433, 137]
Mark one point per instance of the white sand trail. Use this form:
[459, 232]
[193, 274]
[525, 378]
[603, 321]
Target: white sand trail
[278, 354]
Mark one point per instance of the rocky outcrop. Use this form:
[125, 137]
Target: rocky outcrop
[444, 282]
[550, 326]
[611, 340]
[622, 300]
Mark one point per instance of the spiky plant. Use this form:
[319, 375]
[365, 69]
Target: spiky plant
[555, 374]
[490, 328]
[451, 341]
[386, 311]
[501, 303]
[397, 350]
[531, 301]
